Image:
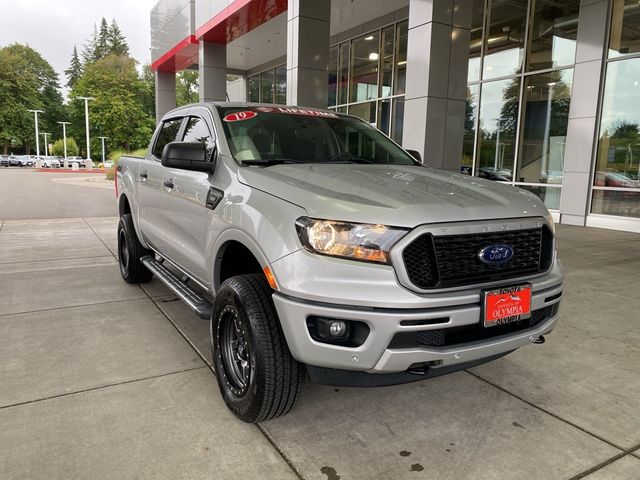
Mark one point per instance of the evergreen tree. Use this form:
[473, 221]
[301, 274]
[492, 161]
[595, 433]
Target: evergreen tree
[89, 48]
[117, 44]
[74, 72]
[102, 43]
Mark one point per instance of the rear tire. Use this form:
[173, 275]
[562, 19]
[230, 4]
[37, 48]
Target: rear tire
[130, 250]
[258, 378]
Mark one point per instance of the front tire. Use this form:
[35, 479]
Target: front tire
[130, 250]
[258, 378]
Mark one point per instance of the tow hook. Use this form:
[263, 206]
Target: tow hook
[540, 340]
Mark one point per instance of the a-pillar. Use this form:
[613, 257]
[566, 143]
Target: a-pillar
[308, 52]
[212, 70]
[165, 93]
[436, 88]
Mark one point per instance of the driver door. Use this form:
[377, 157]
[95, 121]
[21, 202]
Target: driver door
[188, 219]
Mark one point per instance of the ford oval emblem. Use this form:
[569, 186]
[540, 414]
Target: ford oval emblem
[496, 254]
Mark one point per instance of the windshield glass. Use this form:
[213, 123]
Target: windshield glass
[259, 135]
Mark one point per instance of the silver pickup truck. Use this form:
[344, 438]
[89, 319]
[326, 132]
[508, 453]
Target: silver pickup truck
[318, 248]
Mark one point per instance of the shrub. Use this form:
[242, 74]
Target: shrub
[58, 147]
[115, 156]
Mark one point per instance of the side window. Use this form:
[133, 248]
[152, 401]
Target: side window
[198, 132]
[168, 133]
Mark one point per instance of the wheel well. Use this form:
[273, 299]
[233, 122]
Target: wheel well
[235, 259]
[123, 205]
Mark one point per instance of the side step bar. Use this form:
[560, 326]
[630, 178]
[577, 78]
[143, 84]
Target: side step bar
[189, 296]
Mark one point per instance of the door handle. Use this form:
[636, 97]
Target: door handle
[143, 174]
[168, 183]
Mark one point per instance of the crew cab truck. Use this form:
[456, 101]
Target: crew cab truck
[318, 248]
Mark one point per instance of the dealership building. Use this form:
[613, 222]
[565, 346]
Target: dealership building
[542, 94]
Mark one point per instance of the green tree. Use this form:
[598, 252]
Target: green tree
[58, 147]
[18, 93]
[148, 91]
[116, 41]
[102, 42]
[27, 70]
[90, 46]
[187, 87]
[74, 72]
[118, 111]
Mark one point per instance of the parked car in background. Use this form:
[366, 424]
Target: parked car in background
[14, 161]
[108, 164]
[615, 179]
[78, 160]
[26, 161]
[4, 161]
[50, 162]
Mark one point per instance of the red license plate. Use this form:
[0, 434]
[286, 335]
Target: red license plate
[506, 305]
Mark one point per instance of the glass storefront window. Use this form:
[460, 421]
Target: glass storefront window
[547, 97]
[397, 119]
[386, 61]
[333, 76]
[253, 84]
[616, 202]
[475, 42]
[552, 41]
[365, 56]
[504, 45]
[384, 115]
[366, 111]
[266, 86]
[281, 84]
[619, 145]
[625, 28]
[343, 74]
[470, 118]
[497, 129]
[549, 195]
[400, 81]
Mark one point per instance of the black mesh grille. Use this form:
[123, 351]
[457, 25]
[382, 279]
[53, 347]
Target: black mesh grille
[452, 260]
[445, 337]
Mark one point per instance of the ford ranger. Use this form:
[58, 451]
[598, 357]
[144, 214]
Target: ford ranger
[318, 248]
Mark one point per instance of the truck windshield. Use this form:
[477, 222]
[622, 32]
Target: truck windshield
[270, 135]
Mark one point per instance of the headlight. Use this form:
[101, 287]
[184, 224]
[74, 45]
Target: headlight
[550, 221]
[357, 241]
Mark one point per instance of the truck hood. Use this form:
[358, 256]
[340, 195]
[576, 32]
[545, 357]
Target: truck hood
[396, 195]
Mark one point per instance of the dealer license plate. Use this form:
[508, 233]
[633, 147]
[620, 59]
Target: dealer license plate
[506, 305]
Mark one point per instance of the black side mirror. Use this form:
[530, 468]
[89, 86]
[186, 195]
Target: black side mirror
[186, 156]
[415, 154]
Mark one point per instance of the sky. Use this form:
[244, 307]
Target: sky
[53, 27]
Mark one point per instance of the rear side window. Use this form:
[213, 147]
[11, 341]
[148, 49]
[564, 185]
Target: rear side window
[198, 132]
[168, 133]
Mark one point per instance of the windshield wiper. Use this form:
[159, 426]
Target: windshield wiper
[348, 157]
[271, 161]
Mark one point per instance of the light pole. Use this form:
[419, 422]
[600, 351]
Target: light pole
[46, 148]
[86, 122]
[35, 113]
[103, 139]
[64, 136]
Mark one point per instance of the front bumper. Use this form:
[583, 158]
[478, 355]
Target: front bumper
[375, 356]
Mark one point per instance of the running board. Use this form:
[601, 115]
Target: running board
[189, 296]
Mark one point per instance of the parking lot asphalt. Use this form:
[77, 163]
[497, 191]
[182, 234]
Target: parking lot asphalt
[26, 193]
[101, 379]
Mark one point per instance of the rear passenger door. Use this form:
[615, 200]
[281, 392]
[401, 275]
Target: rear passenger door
[187, 216]
[150, 175]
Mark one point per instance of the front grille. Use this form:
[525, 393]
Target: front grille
[452, 260]
[446, 337]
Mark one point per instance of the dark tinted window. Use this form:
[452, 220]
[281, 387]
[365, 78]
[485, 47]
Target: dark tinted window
[198, 132]
[168, 133]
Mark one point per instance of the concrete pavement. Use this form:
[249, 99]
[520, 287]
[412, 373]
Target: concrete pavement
[100, 379]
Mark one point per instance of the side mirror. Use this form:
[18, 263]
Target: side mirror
[415, 154]
[186, 156]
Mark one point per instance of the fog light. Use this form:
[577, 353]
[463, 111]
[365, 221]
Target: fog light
[337, 328]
